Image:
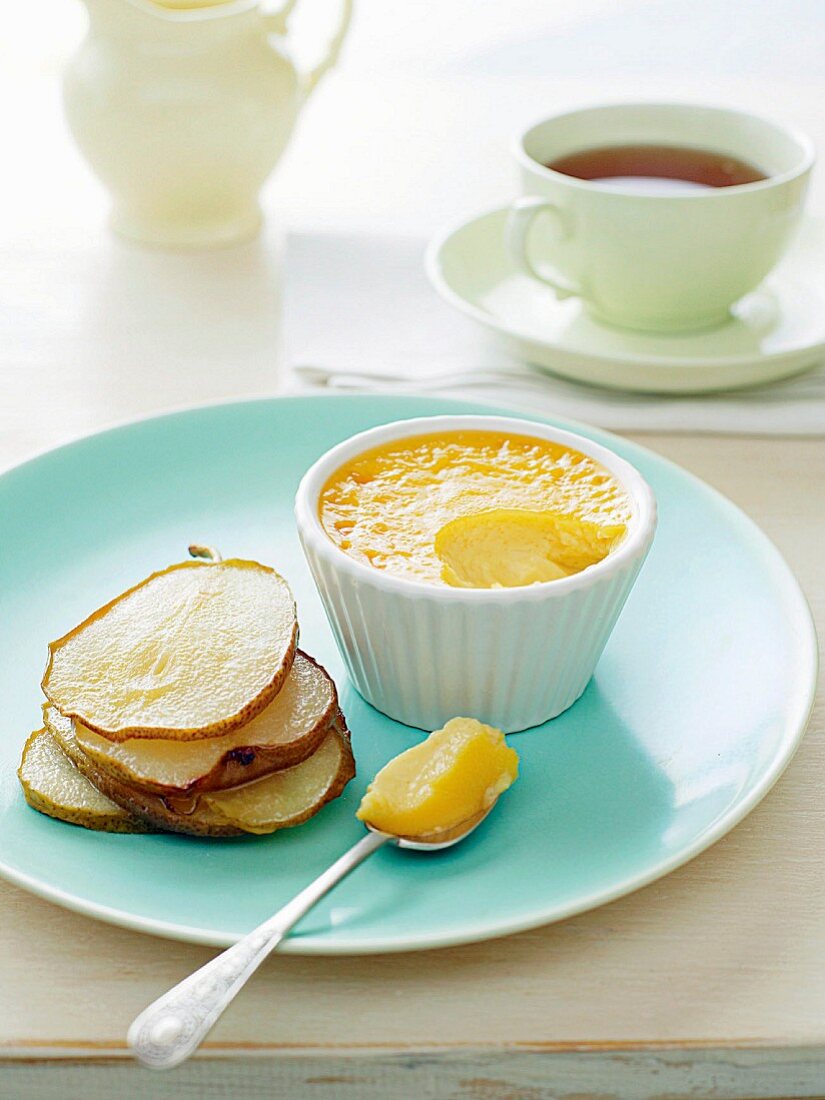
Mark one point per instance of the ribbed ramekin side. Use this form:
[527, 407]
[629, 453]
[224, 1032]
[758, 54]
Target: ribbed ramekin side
[423, 660]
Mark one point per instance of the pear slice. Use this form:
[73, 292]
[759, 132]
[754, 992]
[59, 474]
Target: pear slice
[151, 810]
[285, 732]
[284, 798]
[53, 786]
[193, 651]
[291, 796]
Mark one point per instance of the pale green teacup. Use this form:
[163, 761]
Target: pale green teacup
[659, 261]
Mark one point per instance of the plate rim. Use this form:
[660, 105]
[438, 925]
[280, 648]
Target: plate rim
[790, 738]
[439, 282]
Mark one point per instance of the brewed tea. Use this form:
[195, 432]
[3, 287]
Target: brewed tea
[657, 168]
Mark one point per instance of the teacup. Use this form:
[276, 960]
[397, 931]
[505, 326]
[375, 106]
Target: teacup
[661, 261]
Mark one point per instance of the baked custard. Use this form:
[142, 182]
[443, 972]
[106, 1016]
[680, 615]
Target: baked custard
[475, 509]
[447, 780]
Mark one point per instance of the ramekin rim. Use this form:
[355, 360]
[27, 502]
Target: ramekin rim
[641, 527]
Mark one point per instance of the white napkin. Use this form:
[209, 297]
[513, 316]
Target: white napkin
[363, 304]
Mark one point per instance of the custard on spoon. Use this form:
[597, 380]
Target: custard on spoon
[452, 777]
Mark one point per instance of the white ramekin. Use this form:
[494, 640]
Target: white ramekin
[512, 657]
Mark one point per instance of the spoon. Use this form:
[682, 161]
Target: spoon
[175, 1025]
[334, 378]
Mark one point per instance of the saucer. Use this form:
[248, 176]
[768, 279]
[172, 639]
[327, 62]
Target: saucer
[776, 331]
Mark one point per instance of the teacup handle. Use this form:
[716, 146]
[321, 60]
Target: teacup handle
[517, 234]
[277, 24]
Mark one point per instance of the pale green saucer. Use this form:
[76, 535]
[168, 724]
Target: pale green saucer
[776, 331]
[697, 704]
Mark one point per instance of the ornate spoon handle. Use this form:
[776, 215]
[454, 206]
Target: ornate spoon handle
[175, 1025]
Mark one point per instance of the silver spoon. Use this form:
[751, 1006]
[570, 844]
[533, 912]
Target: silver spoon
[336, 378]
[175, 1025]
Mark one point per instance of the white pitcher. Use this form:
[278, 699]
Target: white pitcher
[183, 113]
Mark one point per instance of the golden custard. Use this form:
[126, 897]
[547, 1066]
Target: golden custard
[475, 509]
[452, 777]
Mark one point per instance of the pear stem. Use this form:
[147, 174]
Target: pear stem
[197, 550]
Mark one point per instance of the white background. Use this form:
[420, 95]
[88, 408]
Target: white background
[410, 132]
[414, 126]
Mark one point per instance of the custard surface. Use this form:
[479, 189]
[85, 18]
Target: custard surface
[474, 508]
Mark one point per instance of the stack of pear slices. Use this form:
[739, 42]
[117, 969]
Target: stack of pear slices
[184, 705]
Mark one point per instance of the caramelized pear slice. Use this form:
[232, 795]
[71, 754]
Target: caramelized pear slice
[290, 796]
[151, 810]
[53, 786]
[285, 732]
[193, 651]
[277, 801]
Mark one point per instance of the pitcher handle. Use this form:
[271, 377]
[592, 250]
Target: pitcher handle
[277, 24]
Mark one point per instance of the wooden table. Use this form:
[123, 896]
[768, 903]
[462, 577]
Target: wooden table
[710, 982]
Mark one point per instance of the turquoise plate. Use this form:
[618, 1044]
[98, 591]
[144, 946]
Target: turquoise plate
[697, 705]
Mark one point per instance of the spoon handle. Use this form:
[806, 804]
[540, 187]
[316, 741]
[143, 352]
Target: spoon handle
[341, 379]
[175, 1025]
